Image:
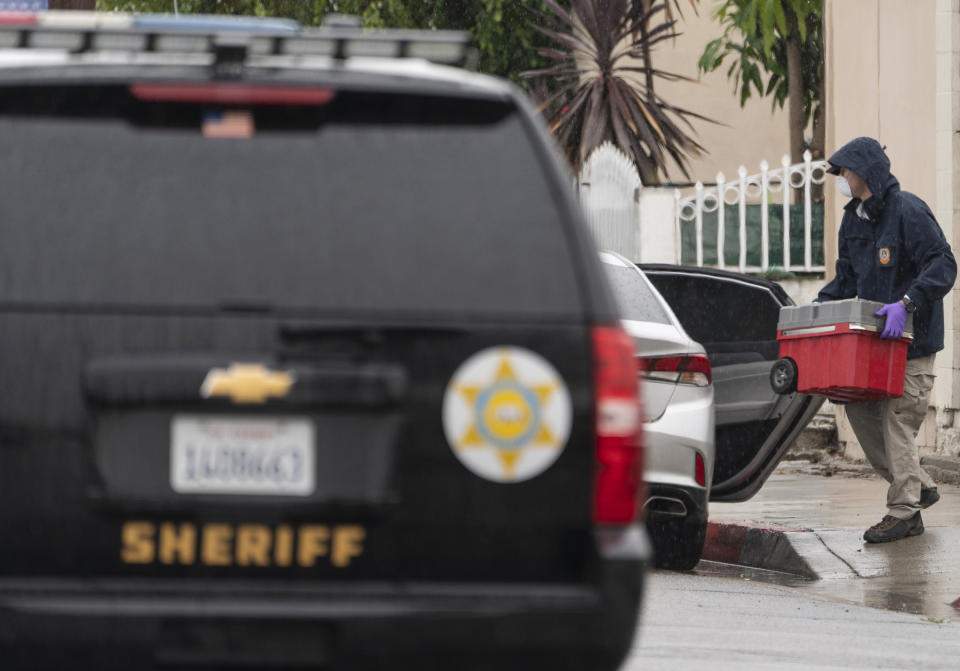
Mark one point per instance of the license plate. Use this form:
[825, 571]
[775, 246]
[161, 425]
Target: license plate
[265, 456]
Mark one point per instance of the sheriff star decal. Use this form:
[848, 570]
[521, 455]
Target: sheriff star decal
[506, 414]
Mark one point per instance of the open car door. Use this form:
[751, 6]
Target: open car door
[734, 317]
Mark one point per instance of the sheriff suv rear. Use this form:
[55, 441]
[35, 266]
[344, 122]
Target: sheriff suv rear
[308, 360]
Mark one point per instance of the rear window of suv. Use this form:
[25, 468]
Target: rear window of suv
[390, 203]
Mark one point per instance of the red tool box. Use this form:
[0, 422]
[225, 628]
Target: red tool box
[835, 350]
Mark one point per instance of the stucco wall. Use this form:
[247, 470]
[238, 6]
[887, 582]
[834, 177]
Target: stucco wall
[948, 213]
[881, 82]
[742, 136]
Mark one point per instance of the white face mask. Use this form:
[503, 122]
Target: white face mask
[843, 186]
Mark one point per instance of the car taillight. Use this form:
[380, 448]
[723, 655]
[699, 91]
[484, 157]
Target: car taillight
[619, 475]
[18, 19]
[691, 369]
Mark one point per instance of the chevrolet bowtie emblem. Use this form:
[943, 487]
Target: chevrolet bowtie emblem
[247, 383]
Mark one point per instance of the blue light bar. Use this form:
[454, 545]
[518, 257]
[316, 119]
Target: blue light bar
[228, 38]
[212, 23]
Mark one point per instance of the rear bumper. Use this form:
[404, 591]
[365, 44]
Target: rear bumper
[672, 442]
[142, 625]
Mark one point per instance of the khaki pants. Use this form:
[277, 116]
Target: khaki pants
[887, 431]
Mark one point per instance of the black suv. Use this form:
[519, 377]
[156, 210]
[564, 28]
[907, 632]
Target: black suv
[307, 360]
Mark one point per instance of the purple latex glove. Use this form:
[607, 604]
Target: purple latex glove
[896, 315]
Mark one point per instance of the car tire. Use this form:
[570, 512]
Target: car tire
[783, 376]
[677, 541]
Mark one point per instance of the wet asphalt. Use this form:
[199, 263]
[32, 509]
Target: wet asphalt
[696, 622]
[824, 519]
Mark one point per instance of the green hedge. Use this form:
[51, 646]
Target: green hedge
[731, 244]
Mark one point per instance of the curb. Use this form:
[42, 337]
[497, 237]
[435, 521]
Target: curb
[766, 547]
[942, 468]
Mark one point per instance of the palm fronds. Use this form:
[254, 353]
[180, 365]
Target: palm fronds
[602, 83]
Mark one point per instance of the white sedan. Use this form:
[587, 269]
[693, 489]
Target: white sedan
[679, 416]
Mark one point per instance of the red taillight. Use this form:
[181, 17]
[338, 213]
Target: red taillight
[690, 369]
[619, 475]
[233, 94]
[701, 471]
[18, 19]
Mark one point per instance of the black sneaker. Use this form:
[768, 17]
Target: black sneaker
[928, 497]
[893, 529]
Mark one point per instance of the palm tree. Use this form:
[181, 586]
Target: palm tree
[602, 83]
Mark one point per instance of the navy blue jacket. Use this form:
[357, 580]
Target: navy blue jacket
[899, 250]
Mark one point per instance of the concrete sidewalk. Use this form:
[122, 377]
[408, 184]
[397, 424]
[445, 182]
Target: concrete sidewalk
[810, 527]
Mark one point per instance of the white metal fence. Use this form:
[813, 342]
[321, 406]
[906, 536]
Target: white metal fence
[759, 188]
[609, 192]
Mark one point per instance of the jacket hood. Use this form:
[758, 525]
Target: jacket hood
[865, 157]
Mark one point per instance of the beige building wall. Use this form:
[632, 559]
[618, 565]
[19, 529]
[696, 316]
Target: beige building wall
[892, 74]
[743, 136]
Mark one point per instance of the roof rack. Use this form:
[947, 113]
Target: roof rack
[230, 39]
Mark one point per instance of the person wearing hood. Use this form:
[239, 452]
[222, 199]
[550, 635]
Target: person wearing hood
[892, 250]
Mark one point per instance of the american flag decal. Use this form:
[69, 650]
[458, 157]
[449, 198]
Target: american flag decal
[228, 123]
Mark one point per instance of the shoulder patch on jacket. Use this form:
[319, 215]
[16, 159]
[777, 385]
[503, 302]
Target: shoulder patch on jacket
[884, 255]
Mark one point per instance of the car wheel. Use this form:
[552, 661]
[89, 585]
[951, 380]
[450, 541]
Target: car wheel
[783, 376]
[677, 542]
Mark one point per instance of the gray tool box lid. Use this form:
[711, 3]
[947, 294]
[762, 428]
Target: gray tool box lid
[849, 311]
